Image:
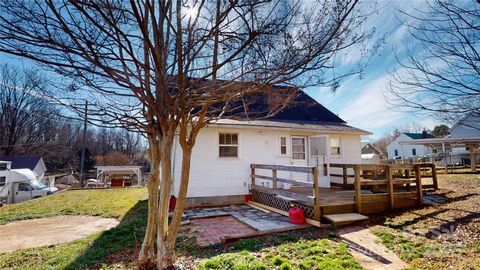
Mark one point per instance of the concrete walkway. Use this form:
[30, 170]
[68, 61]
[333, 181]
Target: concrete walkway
[257, 219]
[368, 251]
[50, 231]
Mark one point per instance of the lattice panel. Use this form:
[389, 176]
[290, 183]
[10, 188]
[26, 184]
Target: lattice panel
[273, 201]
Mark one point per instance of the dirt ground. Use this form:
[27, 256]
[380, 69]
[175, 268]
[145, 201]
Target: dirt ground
[452, 227]
[50, 231]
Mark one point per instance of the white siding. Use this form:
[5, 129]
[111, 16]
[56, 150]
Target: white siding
[407, 148]
[211, 175]
[463, 131]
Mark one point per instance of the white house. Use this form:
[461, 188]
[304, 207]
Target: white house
[34, 163]
[396, 150]
[305, 134]
[468, 127]
[371, 154]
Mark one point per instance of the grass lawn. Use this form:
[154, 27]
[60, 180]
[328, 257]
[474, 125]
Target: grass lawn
[444, 236]
[283, 252]
[118, 247]
[113, 203]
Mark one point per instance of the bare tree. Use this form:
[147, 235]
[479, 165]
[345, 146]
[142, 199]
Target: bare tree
[441, 74]
[175, 66]
[26, 120]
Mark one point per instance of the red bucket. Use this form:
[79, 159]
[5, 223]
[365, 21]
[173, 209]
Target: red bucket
[296, 215]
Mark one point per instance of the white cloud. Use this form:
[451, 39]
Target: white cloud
[369, 109]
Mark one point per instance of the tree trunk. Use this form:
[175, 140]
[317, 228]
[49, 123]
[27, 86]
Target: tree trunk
[165, 258]
[182, 196]
[147, 255]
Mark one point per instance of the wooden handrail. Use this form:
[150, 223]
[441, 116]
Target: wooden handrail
[302, 169]
[315, 200]
[283, 180]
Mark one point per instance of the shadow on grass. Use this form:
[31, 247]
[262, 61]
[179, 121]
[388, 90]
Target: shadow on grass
[117, 244]
[122, 243]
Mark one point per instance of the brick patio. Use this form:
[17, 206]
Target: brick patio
[210, 230]
[210, 225]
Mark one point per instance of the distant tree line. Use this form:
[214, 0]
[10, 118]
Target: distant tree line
[32, 125]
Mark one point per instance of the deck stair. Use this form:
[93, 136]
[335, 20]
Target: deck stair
[343, 219]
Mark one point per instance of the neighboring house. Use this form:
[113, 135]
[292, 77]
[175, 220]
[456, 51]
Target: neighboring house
[371, 154]
[304, 134]
[467, 127]
[395, 150]
[34, 163]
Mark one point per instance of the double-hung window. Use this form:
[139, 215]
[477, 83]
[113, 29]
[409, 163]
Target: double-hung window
[283, 146]
[335, 146]
[228, 144]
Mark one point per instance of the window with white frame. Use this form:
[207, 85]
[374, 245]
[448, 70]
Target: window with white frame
[283, 146]
[228, 144]
[335, 146]
[298, 148]
[3, 166]
[3, 180]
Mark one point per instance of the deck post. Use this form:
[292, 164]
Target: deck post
[274, 177]
[418, 181]
[390, 190]
[252, 167]
[434, 177]
[316, 194]
[358, 188]
[344, 175]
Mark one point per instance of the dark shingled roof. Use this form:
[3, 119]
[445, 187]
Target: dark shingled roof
[305, 108]
[22, 162]
[417, 136]
[302, 109]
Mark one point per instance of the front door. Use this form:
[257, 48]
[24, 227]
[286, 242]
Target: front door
[299, 157]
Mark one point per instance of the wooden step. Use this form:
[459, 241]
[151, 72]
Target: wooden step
[342, 219]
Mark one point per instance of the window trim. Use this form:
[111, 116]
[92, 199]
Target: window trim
[395, 152]
[228, 145]
[340, 146]
[304, 147]
[4, 180]
[414, 152]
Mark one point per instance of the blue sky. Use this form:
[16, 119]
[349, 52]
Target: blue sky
[361, 102]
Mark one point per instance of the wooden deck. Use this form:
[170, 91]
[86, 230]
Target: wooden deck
[375, 188]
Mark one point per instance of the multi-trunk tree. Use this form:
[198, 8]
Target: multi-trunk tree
[168, 68]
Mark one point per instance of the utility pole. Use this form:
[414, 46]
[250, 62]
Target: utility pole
[82, 161]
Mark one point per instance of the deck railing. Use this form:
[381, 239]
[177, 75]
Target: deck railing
[308, 200]
[391, 183]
